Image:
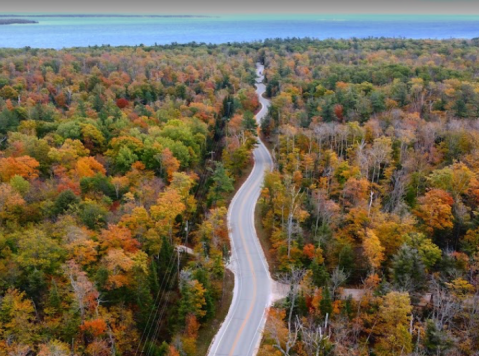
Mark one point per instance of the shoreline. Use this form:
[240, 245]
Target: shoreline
[10, 21]
[104, 15]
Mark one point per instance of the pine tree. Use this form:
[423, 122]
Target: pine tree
[222, 184]
[408, 270]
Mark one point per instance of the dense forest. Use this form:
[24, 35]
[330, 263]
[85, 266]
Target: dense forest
[117, 165]
[372, 209]
[111, 159]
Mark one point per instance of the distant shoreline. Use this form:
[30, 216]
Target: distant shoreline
[16, 21]
[104, 15]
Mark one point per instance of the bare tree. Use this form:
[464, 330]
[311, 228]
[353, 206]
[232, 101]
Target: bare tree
[399, 181]
[338, 278]
[325, 209]
[445, 307]
[285, 343]
[315, 337]
[84, 290]
[293, 279]
[295, 196]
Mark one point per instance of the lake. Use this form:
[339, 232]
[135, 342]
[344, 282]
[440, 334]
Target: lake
[60, 32]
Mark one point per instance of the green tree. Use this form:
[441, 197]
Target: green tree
[222, 184]
[93, 215]
[125, 159]
[436, 342]
[38, 252]
[326, 304]
[428, 251]
[378, 101]
[320, 273]
[249, 122]
[64, 201]
[20, 185]
[408, 270]
[192, 298]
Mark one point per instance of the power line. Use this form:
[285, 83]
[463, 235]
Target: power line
[160, 319]
[156, 302]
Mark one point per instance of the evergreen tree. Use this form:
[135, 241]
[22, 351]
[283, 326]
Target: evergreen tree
[326, 304]
[320, 274]
[249, 122]
[408, 271]
[222, 184]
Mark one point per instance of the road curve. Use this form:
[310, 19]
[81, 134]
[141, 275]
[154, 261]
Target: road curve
[241, 331]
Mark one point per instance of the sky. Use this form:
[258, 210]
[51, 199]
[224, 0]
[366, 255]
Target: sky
[440, 7]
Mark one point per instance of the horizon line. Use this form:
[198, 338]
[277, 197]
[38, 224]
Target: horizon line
[57, 13]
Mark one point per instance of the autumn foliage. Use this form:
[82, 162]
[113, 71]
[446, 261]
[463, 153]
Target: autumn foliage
[25, 166]
[109, 160]
[117, 165]
[373, 196]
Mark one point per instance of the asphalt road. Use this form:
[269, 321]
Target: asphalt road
[241, 331]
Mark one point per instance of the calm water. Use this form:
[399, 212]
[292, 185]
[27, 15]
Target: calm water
[57, 32]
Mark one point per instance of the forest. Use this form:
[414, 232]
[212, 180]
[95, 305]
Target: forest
[111, 159]
[117, 165]
[371, 213]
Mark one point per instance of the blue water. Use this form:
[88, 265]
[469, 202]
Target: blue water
[58, 32]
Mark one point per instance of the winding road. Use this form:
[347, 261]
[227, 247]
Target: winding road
[241, 332]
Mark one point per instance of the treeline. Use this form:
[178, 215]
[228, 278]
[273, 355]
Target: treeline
[110, 159]
[374, 195]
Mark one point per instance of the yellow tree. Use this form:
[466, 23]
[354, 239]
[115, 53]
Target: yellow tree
[455, 179]
[436, 210]
[280, 340]
[183, 183]
[169, 162]
[119, 183]
[213, 230]
[68, 153]
[123, 265]
[122, 329]
[294, 209]
[394, 316]
[88, 167]
[17, 316]
[168, 206]
[373, 250]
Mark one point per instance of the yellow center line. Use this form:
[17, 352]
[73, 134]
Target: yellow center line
[250, 262]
